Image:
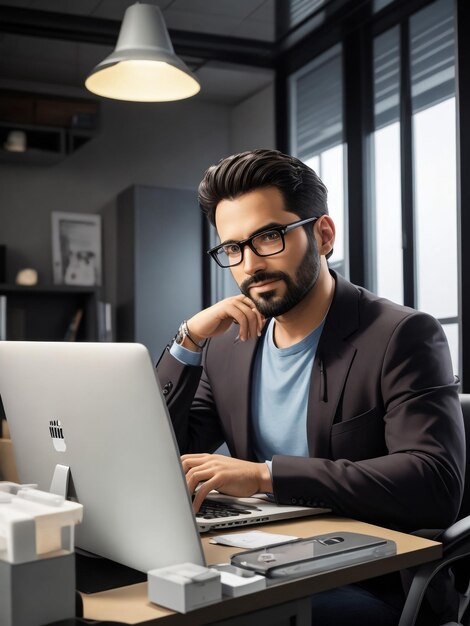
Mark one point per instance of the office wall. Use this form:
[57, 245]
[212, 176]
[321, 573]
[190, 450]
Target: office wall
[252, 125]
[252, 122]
[160, 145]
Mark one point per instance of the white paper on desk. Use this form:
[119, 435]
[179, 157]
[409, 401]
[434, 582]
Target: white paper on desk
[251, 539]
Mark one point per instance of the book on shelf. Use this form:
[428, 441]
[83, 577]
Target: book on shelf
[3, 318]
[105, 321]
[3, 418]
[72, 330]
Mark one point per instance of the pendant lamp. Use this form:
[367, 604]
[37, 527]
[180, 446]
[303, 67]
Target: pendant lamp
[143, 67]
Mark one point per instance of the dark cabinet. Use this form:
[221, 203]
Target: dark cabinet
[153, 262]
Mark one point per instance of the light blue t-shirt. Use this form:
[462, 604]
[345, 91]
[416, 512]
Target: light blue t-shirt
[281, 383]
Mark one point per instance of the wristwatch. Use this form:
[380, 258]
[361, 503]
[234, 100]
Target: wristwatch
[183, 332]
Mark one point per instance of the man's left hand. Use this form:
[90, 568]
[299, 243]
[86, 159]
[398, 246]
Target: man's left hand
[225, 474]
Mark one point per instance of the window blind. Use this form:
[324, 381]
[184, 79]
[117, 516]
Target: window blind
[432, 59]
[386, 67]
[299, 10]
[316, 103]
[432, 55]
[378, 5]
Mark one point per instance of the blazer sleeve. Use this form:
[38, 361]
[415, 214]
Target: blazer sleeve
[419, 482]
[190, 404]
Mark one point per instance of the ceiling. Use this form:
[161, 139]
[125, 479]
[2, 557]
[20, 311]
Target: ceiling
[51, 45]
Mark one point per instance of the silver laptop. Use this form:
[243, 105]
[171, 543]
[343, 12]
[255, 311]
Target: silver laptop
[223, 512]
[88, 420]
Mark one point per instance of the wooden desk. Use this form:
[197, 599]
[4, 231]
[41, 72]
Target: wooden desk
[130, 604]
[7, 460]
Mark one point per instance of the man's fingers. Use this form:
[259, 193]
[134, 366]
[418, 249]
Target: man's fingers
[202, 492]
[205, 472]
[245, 316]
[192, 460]
[196, 476]
[216, 319]
[260, 319]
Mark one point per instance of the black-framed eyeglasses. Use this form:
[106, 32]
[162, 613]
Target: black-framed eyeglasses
[266, 243]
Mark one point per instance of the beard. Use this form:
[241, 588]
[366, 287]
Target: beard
[306, 276]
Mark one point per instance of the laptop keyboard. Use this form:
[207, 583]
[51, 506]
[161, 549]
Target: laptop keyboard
[210, 509]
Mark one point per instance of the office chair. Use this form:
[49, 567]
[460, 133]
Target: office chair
[455, 547]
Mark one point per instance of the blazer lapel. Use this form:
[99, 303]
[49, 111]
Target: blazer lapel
[332, 362]
[239, 396]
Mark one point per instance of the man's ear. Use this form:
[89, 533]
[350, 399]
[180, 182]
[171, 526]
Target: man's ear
[325, 233]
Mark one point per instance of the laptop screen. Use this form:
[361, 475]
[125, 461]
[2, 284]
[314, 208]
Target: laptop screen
[97, 409]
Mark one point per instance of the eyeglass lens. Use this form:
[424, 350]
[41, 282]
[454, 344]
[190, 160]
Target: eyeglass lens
[265, 244]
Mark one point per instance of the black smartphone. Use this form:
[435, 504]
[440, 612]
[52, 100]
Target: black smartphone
[314, 554]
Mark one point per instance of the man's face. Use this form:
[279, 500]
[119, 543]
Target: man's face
[275, 283]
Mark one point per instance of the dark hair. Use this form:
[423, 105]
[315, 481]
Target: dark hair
[303, 191]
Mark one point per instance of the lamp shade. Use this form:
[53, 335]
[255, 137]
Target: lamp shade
[143, 67]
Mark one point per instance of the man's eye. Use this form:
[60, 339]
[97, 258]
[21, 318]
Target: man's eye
[231, 249]
[269, 237]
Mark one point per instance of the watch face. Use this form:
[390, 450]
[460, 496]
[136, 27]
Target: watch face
[179, 336]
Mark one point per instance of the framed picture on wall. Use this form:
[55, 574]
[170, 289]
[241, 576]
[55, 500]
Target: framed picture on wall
[76, 248]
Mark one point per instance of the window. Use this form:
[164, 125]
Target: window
[434, 268]
[223, 284]
[385, 223]
[316, 123]
[434, 166]
[378, 5]
[393, 69]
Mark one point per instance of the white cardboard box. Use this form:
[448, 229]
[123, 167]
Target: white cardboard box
[184, 587]
[34, 523]
[37, 563]
[235, 586]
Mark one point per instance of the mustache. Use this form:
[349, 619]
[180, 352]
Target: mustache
[261, 277]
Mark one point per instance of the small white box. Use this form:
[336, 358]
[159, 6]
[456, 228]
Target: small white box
[184, 587]
[234, 585]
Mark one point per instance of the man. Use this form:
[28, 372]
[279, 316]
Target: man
[325, 394]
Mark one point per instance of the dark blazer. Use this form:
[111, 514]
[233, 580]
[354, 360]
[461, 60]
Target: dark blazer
[384, 423]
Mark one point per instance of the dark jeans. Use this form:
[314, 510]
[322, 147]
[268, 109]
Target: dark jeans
[376, 602]
[354, 605]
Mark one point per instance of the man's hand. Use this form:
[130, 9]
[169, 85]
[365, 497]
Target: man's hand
[218, 318]
[225, 474]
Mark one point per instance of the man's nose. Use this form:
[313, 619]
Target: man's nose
[252, 263]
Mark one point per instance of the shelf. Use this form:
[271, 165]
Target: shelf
[7, 288]
[45, 313]
[54, 126]
[46, 145]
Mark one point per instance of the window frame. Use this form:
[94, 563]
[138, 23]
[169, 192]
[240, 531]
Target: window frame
[356, 31]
